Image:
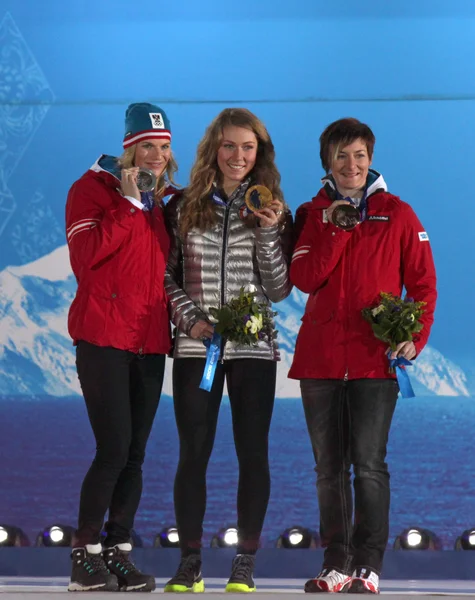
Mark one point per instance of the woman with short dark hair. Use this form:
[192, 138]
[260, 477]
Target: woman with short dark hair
[348, 393]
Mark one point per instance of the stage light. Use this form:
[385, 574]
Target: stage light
[466, 541]
[55, 535]
[416, 538]
[12, 536]
[297, 537]
[227, 537]
[167, 538]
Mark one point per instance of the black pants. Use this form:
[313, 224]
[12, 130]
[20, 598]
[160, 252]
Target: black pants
[251, 388]
[349, 423]
[121, 392]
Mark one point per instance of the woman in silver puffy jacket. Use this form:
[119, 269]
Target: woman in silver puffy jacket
[217, 248]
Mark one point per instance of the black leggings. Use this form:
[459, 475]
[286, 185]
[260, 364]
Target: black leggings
[121, 392]
[251, 388]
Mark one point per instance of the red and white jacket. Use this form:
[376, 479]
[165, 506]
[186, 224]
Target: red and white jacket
[118, 254]
[344, 272]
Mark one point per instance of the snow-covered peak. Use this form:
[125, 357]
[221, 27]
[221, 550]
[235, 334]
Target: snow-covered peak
[37, 356]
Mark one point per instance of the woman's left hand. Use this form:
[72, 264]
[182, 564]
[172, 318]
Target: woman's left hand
[405, 350]
[270, 215]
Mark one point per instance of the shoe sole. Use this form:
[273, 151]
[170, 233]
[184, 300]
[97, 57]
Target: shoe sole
[102, 587]
[145, 587]
[358, 587]
[311, 587]
[239, 588]
[148, 586]
[197, 588]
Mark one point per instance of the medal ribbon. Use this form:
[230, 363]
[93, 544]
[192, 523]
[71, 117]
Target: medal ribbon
[213, 349]
[399, 366]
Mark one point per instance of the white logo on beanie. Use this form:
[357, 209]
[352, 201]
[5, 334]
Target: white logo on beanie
[157, 120]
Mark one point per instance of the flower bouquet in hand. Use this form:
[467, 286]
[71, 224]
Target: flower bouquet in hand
[395, 320]
[243, 320]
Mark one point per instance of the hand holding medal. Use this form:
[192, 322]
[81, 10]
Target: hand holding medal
[259, 201]
[137, 179]
[146, 180]
[258, 197]
[343, 215]
[346, 217]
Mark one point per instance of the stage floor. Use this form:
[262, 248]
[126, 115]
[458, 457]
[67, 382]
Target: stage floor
[16, 588]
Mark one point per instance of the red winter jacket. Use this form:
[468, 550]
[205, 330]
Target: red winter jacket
[118, 254]
[344, 272]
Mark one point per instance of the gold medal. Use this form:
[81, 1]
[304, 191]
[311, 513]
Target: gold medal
[257, 197]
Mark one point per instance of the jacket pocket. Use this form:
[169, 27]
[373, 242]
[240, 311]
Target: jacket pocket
[319, 310]
[318, 317]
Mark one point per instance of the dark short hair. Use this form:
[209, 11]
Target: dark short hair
[341, 133]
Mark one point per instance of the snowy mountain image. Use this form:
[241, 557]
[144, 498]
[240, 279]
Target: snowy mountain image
[37, 356]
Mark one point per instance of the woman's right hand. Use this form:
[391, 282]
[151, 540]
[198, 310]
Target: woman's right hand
[128, 183]
[332, 207]
[202, 330]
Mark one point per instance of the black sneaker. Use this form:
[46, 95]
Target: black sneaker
[118, 561]
[188, 576]
[241, 574]
[89, 573]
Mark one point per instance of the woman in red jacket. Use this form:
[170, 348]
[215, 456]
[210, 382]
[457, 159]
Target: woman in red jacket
[118, 248]
[348, 395]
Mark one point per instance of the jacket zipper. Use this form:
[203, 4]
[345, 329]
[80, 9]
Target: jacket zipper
[348, 303]
[223, 267]
[150, 218]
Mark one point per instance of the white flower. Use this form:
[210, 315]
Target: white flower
[377, 310]
[254, 324]
[251, 288]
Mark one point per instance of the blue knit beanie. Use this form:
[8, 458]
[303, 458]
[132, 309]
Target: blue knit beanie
[145, 121]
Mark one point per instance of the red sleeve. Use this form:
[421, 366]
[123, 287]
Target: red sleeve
[419, 276]
[95, 227]
[318, 249]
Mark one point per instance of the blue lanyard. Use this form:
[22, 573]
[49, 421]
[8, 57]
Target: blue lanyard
[213, 349]
[399, 366]
[147, 200]
[218, 200]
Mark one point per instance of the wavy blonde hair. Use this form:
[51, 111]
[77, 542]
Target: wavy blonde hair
[198, 209]
[127, 160]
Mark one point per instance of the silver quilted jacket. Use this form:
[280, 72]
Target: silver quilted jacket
[208, 268]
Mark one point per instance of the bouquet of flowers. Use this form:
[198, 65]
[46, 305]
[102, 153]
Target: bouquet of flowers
[243, 320]
[395, 320]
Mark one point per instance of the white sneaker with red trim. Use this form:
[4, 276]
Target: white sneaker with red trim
[328, 580]
[364, 581]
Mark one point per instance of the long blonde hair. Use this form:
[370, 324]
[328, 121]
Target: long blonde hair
[127, 160]
[198, 210]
